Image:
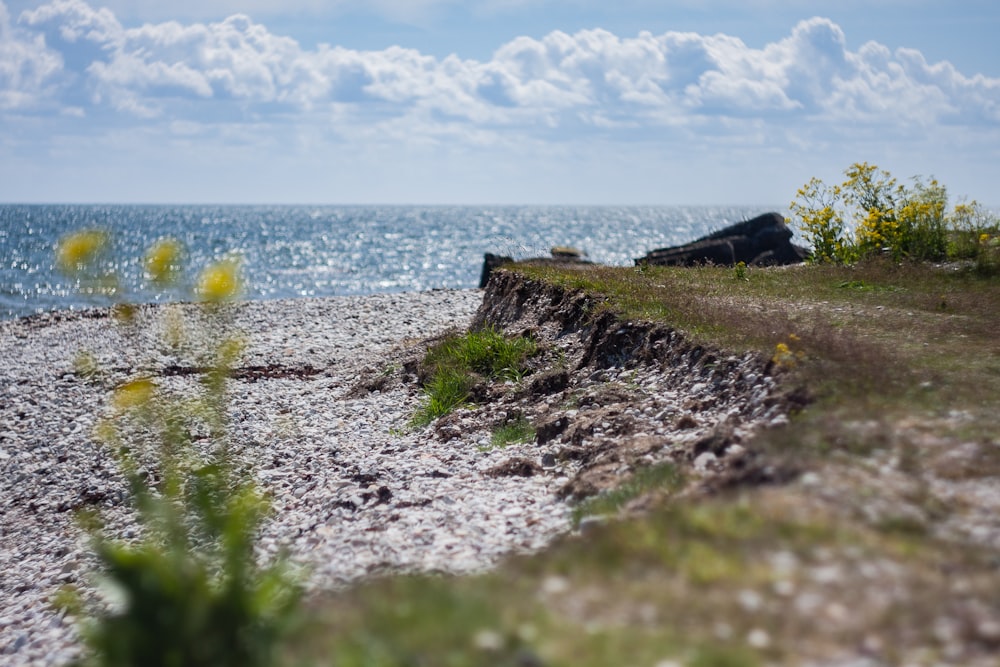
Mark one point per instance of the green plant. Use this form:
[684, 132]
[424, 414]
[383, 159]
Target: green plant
[741, 272]
[975, 235]
[664, 476]
[518, 430]
[871, 195]
[446, 390]
[454, 366]
[486, 352]
[923, 221]
[822, 223]
[870, 214]
[191, 591]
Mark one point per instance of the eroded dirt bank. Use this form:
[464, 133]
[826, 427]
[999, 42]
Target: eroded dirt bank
[609, 397]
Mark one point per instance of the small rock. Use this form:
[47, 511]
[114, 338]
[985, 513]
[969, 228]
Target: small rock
[704, 461]
[758, 639]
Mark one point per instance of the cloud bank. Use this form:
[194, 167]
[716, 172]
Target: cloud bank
[76, 71]
[589, 81]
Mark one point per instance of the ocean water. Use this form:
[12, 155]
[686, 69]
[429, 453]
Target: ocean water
[304, 251]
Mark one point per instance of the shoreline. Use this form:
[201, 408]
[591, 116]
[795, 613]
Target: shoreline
[86, 309]
[316, 450]
[356, 492]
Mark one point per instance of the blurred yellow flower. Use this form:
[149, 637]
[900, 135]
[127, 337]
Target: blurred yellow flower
[785, 356]
[220, 281]
[75, 251]
[984, 238]
[134, 394]
[163, 260]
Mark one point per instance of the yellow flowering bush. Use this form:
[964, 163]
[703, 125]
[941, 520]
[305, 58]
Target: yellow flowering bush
[133, 394]
[871, 214]
[976, 236]
[195, 592]
[76, 252]
[820, 220]
[83, 255]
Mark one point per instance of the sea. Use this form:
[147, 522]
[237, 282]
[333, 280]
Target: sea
[315, 251]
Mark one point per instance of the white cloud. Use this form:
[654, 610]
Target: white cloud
[421, 10]
[236, 69]
[235, 87]
[27, 67]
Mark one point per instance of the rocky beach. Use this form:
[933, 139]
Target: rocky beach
[320, 411]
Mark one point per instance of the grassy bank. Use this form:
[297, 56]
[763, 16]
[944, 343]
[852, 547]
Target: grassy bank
[881, 548]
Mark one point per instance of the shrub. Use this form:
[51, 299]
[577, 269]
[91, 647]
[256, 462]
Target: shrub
[975, 235]
[820, 220]
[922, 220]
[871, 214]
[191, 590]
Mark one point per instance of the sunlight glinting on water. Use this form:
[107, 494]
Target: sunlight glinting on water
[304, 251]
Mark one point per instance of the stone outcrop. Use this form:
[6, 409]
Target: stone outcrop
[762, 241]
[491, 262]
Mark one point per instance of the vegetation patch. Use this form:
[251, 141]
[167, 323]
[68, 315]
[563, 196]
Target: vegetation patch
[871, 214]
[459, 363]
[664, 477]
[733, 581]
[518, 430]
[191, 591]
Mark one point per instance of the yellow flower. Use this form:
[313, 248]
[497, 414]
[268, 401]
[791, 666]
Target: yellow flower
[793, 338]
[984, 238]
[75, 251]
[134, 394]
[783, 355]
[163, 260]
[220, 281]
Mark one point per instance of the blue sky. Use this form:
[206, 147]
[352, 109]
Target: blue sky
[491, 101]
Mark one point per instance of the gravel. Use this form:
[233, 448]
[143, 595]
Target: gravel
[355, 490]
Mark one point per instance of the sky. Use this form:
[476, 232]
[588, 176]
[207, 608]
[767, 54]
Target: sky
[631, 102]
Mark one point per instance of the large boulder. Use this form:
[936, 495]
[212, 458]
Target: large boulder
[762, 241]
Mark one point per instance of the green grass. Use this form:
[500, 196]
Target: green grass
[880, 341]
[663, 477]
[516, 431]
[723, 581]
[848, 318]
[447, 389]
[454, 366]
[690, 583]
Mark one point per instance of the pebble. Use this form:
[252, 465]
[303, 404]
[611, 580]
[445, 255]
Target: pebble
[355, 489]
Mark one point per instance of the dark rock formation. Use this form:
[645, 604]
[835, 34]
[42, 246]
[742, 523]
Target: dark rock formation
[491, 262]
[762, 241]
